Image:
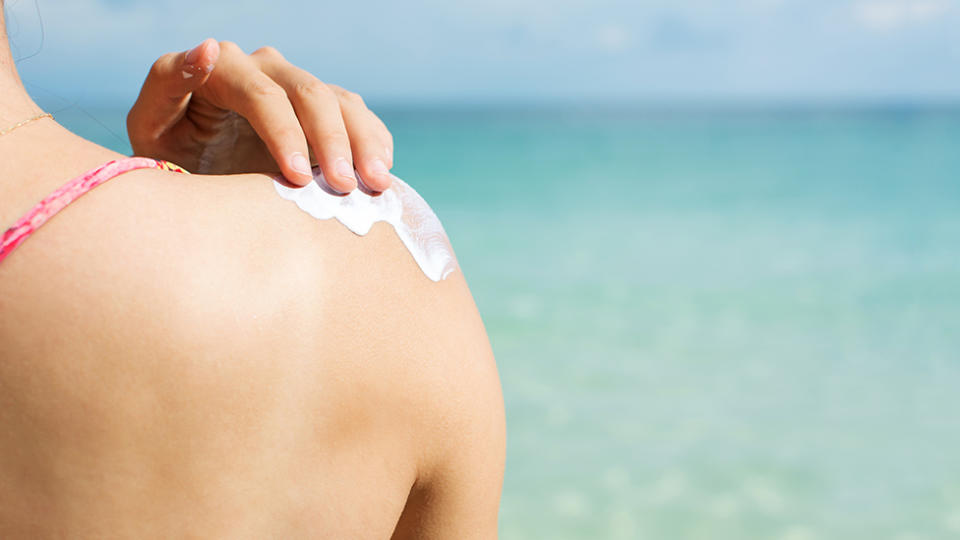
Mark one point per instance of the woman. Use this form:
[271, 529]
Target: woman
[193, 355]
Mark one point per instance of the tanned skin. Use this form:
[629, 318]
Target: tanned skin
[192, 356]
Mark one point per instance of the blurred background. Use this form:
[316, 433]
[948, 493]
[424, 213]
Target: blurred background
[715, 244]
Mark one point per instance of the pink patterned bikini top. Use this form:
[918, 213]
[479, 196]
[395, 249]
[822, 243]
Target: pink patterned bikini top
[69, 192]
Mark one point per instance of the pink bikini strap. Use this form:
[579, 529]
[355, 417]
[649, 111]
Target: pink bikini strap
[69, 192]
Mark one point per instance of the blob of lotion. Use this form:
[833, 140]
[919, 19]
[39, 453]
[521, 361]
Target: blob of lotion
[403, 208]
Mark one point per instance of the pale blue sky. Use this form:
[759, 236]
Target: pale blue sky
[496, 50]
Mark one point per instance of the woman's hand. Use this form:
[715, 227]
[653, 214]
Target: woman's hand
[257, 113]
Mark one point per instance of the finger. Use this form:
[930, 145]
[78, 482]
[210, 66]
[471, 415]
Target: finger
[388, 150]
[167, 89]
[318, 109]
[370, 141]
[241, 86]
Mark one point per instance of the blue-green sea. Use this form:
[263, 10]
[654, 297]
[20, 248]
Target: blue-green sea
[711, 323]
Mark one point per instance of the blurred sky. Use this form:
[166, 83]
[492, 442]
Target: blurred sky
[526, 50]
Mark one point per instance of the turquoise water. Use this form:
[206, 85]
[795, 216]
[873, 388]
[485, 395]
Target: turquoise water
[727, 324]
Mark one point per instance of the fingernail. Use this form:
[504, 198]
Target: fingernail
[301, 164]
[194, 54]
[378, 167]
[363, 187]
[389, 152]
[325, 186]
[344, 170]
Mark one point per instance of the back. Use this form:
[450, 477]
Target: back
[193, 355]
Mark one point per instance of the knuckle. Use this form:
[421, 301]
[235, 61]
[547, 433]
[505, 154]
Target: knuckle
[268, 52]
[288, 132]
[312, 89]
[229, 47]
[346, 96]
[162, 65]
[263, 88]
[353, 97]
[335, 138]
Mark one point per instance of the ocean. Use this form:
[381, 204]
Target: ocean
[710, 323]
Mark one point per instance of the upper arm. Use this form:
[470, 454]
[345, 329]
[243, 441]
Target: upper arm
[459, 480]
[427, 378]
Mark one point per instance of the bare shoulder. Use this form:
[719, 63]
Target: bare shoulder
[221, 266]
[229, 306]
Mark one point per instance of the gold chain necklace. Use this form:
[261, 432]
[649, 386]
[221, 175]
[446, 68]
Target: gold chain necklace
[25, 122]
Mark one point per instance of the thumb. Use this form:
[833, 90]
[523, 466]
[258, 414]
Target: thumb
[167, 89]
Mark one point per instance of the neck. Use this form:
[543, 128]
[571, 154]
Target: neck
[15, 102]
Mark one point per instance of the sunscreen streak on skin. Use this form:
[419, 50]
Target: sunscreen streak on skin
[403, 208]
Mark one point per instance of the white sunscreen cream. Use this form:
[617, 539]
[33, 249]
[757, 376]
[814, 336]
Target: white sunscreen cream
[403, 208]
